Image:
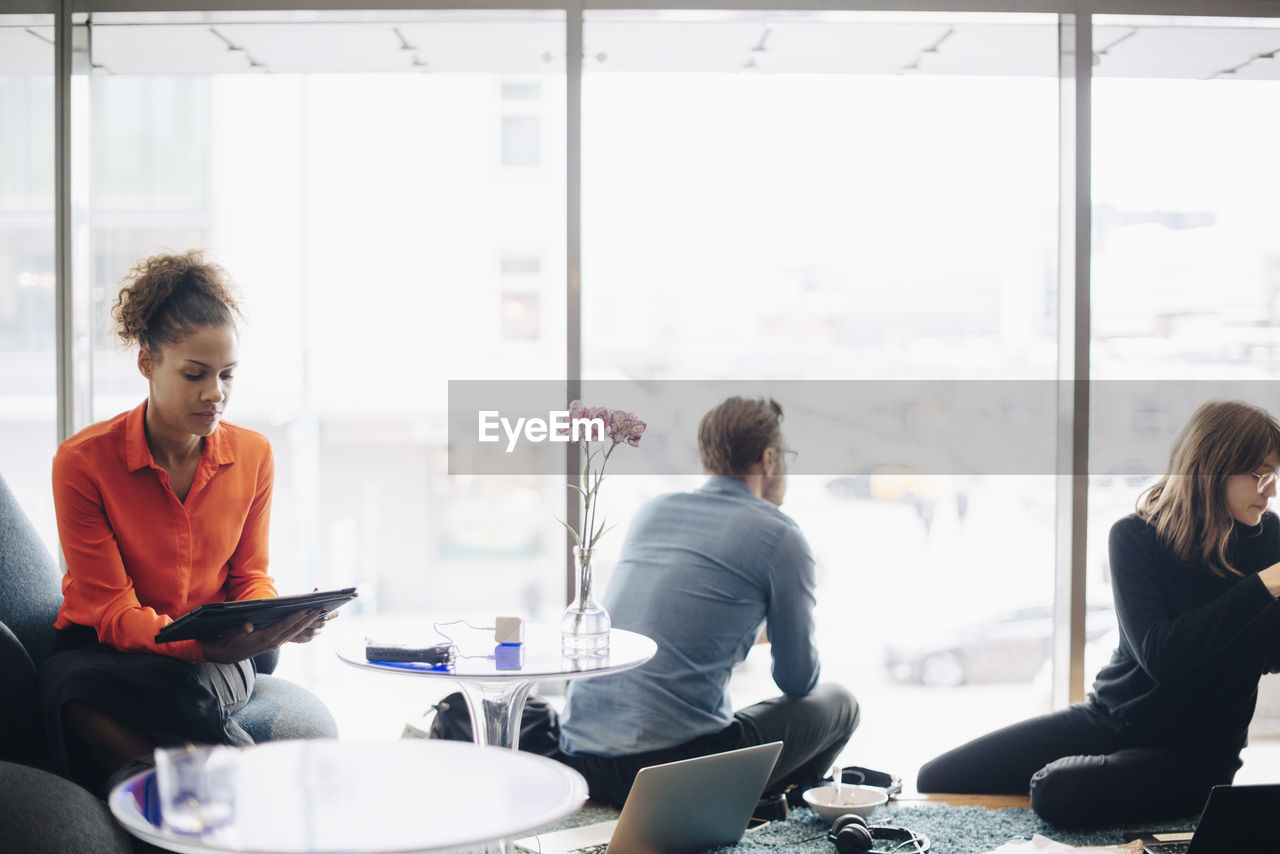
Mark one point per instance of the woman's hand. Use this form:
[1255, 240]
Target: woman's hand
[247, 642]
[1271, 577]
[311, 632]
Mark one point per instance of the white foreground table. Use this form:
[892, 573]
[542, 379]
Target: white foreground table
[327, 797]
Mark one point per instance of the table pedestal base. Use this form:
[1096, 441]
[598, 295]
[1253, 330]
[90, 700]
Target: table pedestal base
[496, 709]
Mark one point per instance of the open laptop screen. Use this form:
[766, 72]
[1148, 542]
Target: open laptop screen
[1239, 818]
[1235, 818]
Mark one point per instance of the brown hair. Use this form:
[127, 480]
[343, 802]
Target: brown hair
[1188, 506]
[166, 296]
[736, 433]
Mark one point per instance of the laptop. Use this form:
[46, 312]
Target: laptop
[676, 808]
[1235, 818]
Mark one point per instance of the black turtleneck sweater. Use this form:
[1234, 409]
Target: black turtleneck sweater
[1192, 644]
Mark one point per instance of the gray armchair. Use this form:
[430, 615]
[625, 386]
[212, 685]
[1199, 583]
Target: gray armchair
[40, 811]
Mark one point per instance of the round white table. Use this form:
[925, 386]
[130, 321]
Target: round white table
[325, 797]
[496, 681]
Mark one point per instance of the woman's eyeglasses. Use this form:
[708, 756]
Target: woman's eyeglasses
[1264, 480]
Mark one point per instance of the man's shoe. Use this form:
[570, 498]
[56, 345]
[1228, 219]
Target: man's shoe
[771, 808]
[795, 793]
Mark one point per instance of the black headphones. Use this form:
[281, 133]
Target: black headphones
[852, 835]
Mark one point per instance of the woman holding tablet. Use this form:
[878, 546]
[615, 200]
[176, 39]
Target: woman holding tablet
[1195, 573]
[160, 510]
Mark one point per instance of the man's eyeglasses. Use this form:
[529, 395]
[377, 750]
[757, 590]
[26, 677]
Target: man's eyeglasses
[791, 456]
[1264, 480]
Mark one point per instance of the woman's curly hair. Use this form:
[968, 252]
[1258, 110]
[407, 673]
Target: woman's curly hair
[164, 297]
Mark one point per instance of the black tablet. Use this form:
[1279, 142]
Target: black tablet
[209, 621]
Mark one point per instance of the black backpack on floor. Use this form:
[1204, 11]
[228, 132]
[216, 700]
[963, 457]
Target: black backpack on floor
[539, 726]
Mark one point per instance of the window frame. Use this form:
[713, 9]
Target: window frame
[73, 31]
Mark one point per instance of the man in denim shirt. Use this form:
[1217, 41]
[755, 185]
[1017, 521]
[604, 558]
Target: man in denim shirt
[702, 573]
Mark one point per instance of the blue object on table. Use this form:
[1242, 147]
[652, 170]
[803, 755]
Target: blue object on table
[415, 665]
[508, 656]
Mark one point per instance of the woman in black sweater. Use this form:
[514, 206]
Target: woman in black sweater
[1195, 575]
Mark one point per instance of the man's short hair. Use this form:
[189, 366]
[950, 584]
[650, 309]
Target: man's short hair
[734, 435]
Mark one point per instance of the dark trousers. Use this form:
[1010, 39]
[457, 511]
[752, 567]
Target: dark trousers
[163, 696]
[813, 730]
[1082, 768]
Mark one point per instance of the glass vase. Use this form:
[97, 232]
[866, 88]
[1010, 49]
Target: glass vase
[584, 629]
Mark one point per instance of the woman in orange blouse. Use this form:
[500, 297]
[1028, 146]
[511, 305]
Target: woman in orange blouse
[161, 510]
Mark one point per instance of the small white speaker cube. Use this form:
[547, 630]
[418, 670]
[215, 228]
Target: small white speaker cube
[508, 630]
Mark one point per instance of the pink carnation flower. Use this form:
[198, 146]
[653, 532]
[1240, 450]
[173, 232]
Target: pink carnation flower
[621, 428]
[625, 427]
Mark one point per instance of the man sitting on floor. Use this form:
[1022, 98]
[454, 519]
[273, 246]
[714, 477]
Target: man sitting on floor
[702, 573]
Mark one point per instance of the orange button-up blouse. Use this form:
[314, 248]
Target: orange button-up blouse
[137, 557]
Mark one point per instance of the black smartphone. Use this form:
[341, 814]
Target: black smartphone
[441, 653]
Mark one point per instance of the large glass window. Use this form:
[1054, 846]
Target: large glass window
[786, 197]
[1186, 252]
[388, 194]
[768, 198]
[28, 362]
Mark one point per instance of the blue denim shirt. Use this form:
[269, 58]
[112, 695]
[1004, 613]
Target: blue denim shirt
[700, 573]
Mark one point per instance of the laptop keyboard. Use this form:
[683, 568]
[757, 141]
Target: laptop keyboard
[591, 849]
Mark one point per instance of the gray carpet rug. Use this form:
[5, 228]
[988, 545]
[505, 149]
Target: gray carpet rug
[951, 830]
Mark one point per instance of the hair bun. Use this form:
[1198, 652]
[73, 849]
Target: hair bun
[165, 296]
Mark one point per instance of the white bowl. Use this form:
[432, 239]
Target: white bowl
[861, 800]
